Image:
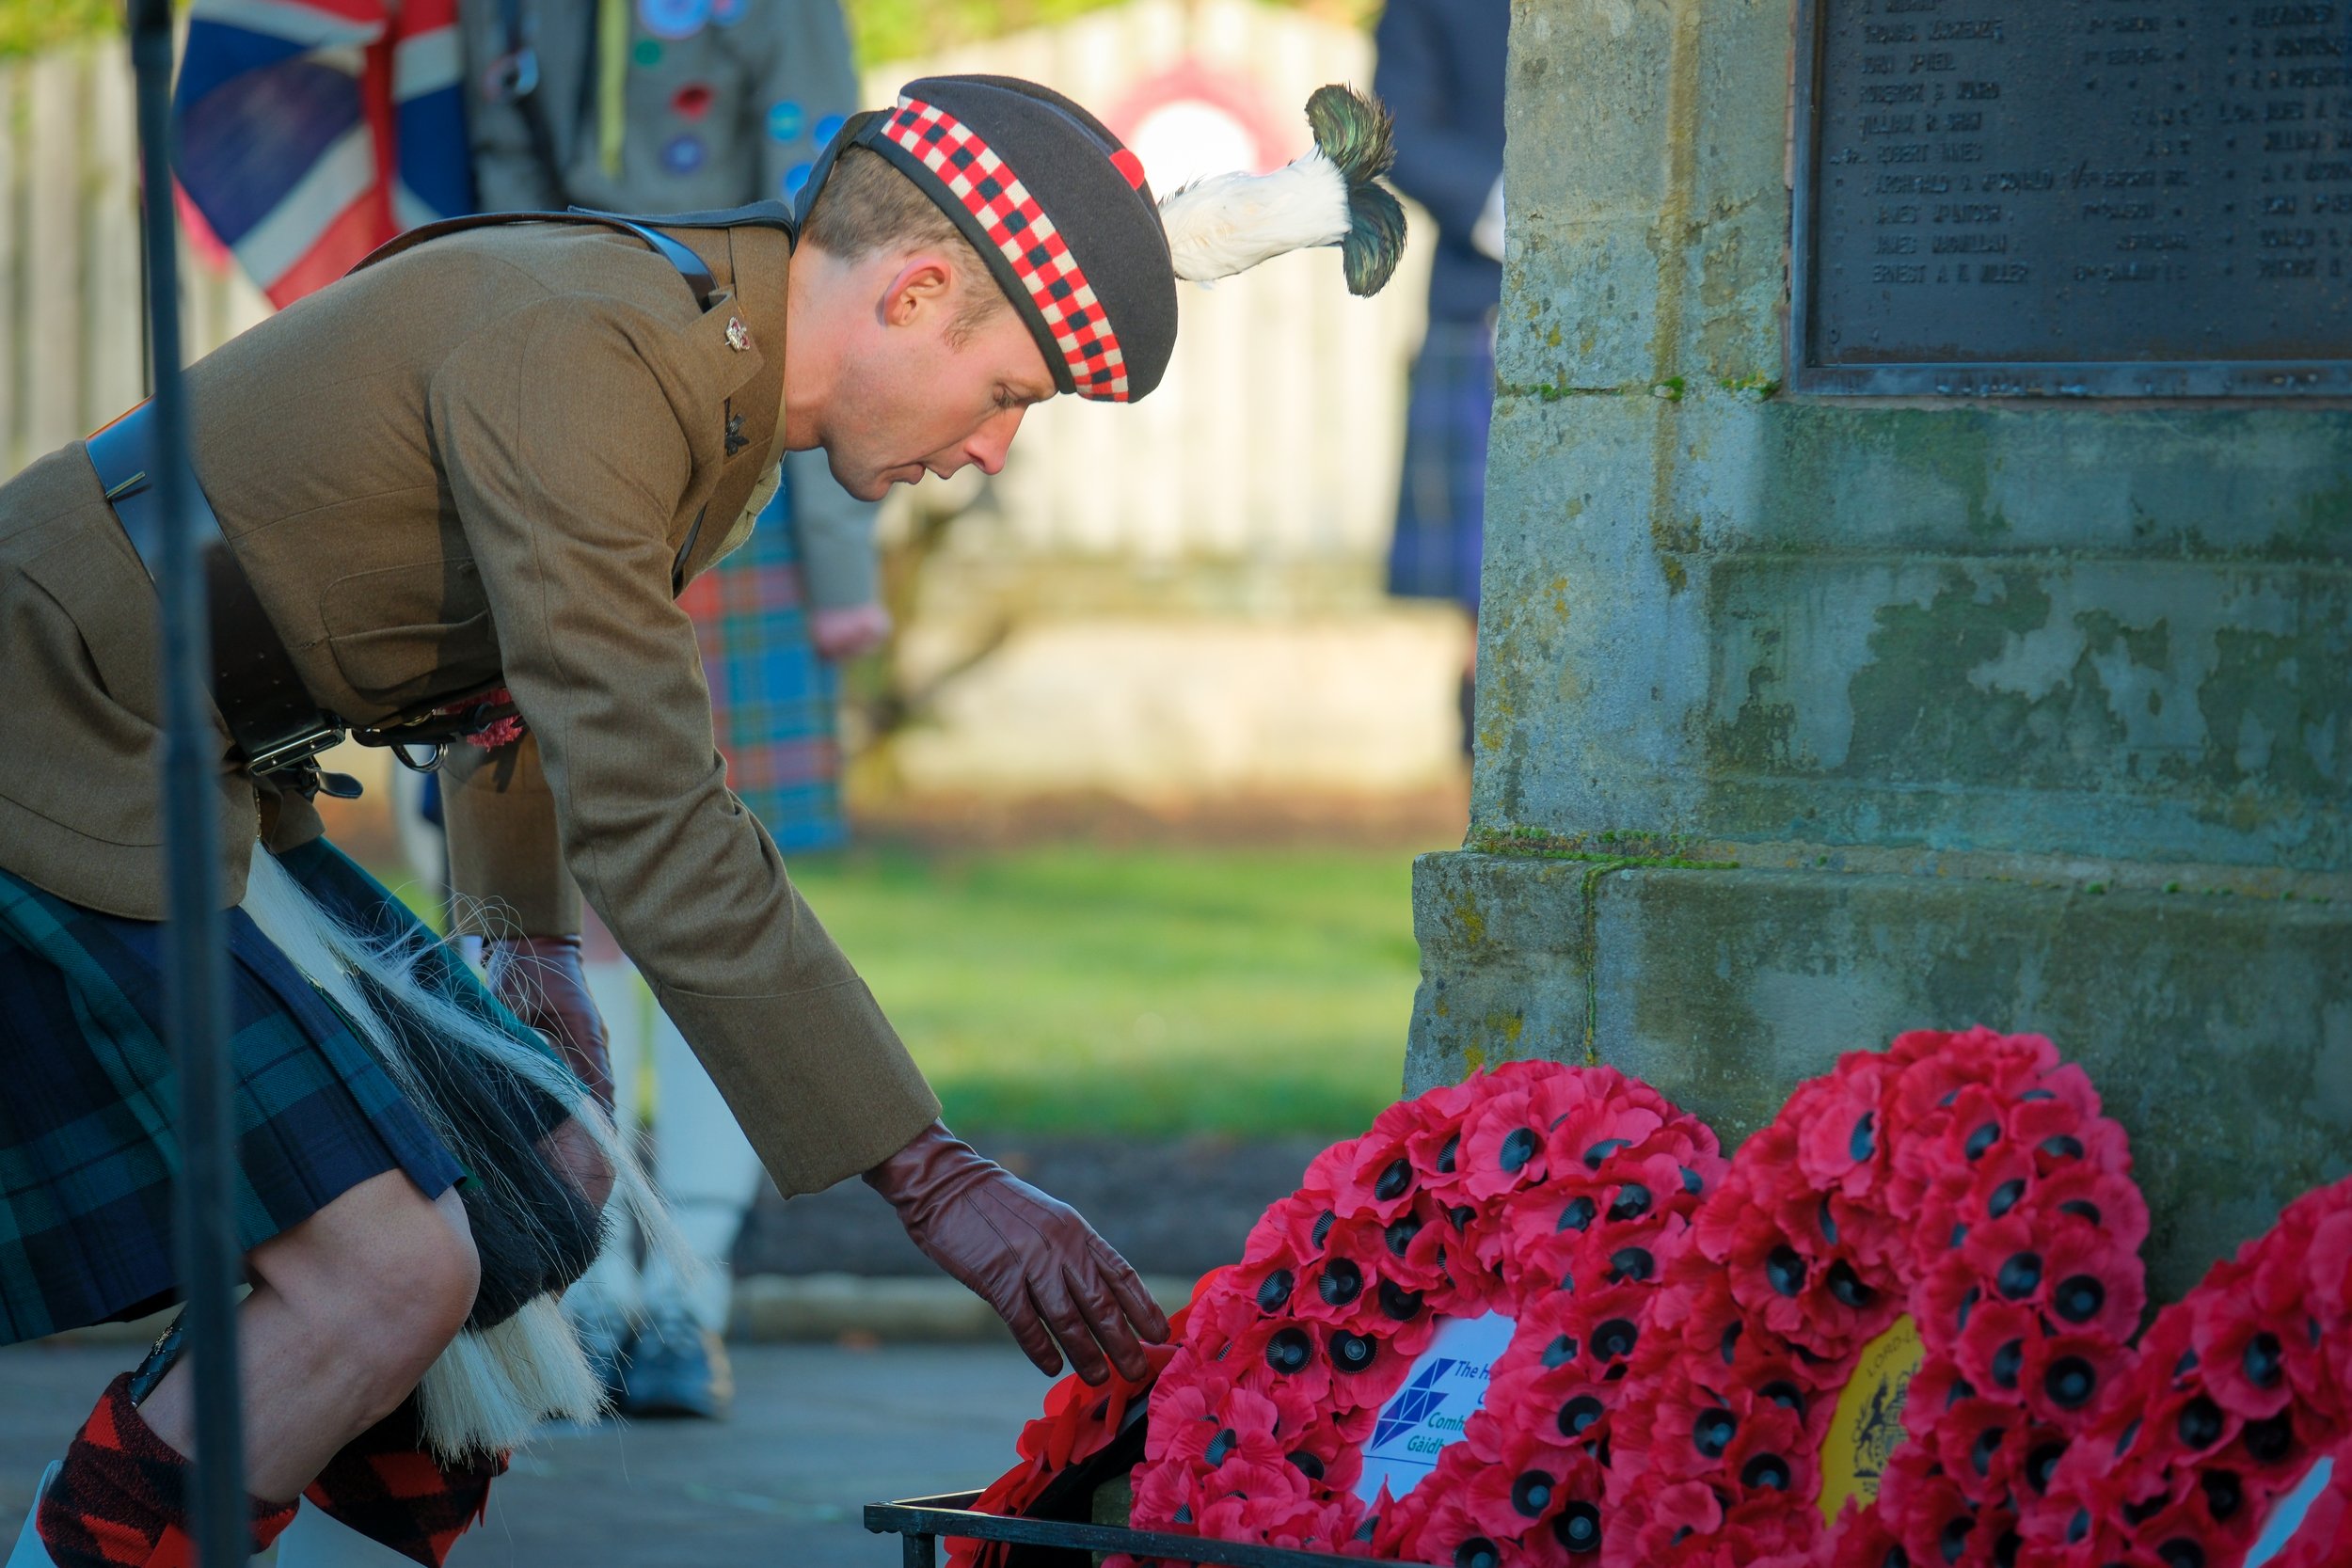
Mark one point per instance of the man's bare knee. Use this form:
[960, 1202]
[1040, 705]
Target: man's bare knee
[458, 1265]
[383, 1275]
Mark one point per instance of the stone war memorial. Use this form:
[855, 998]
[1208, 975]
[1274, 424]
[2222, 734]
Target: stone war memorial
[1919, 517]
[1882, 1073]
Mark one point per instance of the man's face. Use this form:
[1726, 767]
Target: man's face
[918, 397]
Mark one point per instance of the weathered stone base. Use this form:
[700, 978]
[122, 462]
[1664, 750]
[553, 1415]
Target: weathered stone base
[2215, 1027]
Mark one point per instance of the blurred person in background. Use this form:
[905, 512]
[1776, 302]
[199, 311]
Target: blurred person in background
[649, 106]
[1440, 73]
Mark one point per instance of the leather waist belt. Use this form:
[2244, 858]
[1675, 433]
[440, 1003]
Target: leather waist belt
[274, 720]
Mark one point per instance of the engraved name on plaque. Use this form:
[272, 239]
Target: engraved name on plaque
[2089, 197]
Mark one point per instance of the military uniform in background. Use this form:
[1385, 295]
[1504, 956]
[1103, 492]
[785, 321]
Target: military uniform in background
[672, 106]
[1440, 73]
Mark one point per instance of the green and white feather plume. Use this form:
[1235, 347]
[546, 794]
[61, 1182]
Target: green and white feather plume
[1229, 223]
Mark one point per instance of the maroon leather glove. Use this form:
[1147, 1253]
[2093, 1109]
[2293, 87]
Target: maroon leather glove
[1029, 1256]
[540, 980]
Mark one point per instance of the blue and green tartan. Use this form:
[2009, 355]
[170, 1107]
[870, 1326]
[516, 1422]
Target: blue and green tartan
[1441, 499]
[771, 697]
[87, 1149]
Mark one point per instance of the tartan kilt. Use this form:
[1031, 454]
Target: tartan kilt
[1442, 500]
[771, 696]
[86, 1149]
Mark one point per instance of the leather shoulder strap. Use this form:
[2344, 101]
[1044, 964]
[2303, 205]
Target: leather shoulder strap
[760, 215]
[690, 266]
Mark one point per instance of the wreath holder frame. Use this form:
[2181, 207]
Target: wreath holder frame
[924, 1521]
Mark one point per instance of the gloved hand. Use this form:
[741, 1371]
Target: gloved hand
[540, 980]
[847, 631]
[1029, 1256]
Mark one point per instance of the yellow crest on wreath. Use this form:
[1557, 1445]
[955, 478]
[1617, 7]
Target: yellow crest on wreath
[1869, 1424]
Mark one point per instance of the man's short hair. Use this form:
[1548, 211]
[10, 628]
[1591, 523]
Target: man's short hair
[866, 208]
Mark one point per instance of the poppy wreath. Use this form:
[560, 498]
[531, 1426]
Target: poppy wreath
[1968, 1180]
[2239, 1389]
[1558, 1197]
[1078, 1423]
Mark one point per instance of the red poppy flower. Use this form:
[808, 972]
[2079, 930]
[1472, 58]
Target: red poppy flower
[2185, 1526]
[1697, 1313]
[1165, 1498]
[1273, 1353]
[1335, 1447]
[2328, 1258]
[1769, 1528]
[1933, 1519]
[2080, 1195]
[1380, 1182]
[1240, 1430]
[2252, 1361]
[1862, 1540]
[1686, 1433]
[2067, 1084]
[1586, 1137]
[1186, 1423]
[1792, 1282]
[1278, 1517]
[1768, 1454]
[1526, 1484]
[1434, 1143]
[1286, 1231]
[1327, 1172]
[1502, 1146]
[1678, 1523]
[1401, 1120]
[1980, 1442]
[2088, 1284]
[2270, 1455]
[1993, 1348]
[1446, 1523]
[1840, 1141]
[2184, 1426]
[1970, 1124]
[1342, 1288]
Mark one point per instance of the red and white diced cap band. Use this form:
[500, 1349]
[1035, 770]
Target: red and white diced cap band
[994, 194]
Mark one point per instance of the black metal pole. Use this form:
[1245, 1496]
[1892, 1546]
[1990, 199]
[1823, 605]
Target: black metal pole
[195, 941]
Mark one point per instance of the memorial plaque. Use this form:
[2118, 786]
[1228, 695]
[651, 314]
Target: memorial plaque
[2088, 198]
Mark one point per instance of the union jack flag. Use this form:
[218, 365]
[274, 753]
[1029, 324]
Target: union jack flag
[309, 131]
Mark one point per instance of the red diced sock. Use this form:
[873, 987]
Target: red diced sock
[388, 1486]
[120, 1499]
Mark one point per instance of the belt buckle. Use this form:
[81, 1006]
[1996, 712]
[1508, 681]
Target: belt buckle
[295, 750]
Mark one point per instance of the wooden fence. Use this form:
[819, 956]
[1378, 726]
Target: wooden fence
[1275, 438]
[1277, 435]
[73, 321]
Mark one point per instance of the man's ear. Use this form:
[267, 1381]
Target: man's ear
[923, 284]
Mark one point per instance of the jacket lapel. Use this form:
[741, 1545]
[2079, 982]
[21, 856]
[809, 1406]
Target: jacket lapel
[745, 325]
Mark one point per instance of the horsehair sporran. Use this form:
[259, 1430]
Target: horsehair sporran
[491, 1387]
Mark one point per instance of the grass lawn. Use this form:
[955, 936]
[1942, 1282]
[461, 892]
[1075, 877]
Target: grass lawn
[1152, 990]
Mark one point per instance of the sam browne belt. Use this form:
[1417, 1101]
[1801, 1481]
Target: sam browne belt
[276, 723]
[272, 718]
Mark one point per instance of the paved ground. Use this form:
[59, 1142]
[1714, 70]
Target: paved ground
[816, 1432]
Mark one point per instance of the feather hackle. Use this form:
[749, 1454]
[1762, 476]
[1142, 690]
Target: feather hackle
[1231, 222]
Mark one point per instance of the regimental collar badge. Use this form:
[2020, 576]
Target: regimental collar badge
[739, 336]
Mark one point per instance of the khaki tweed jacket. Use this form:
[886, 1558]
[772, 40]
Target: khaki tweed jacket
[490, 459]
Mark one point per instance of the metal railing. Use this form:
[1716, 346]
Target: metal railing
[195, 932]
